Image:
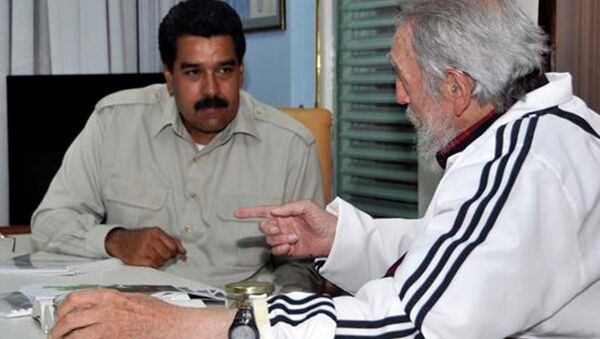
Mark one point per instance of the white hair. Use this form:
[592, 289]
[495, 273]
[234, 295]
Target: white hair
[492, 41]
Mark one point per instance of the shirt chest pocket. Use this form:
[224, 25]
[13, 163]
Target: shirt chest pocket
[132, 202]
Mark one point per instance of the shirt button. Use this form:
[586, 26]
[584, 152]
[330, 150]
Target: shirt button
[155, 96]
[191, 195]
[196, 160]
[188, 228]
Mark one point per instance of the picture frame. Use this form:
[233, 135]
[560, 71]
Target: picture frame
[260, 15]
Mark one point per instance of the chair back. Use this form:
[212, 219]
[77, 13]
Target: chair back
[318, 121]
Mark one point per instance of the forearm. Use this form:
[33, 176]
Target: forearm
[136, 315]
[201, 323]
[364, 248]
[67, 232]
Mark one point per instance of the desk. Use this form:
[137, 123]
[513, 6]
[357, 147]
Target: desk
[21, 328]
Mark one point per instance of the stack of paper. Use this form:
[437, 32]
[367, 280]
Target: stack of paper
[41, 263]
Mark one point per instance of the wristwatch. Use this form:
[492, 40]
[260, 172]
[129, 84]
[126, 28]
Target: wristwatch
[243, 326]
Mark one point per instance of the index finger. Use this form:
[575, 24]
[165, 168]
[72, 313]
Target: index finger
[295, 208]
[254, 212]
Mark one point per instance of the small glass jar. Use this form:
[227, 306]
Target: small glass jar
[238, 293]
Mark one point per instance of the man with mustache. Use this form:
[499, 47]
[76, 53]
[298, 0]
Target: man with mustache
[155, 176]
[508, 247]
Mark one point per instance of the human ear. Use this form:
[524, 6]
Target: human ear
[168, 78]
[241, 75]
[457, 89]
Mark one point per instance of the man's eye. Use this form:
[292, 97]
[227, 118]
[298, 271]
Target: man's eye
[191, 72]
[225, 70]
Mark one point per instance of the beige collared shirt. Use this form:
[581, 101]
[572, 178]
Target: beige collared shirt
[135, 165]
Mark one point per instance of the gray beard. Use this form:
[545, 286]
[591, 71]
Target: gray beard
[433, 133]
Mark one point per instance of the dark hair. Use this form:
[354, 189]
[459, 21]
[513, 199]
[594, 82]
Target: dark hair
[205, 18]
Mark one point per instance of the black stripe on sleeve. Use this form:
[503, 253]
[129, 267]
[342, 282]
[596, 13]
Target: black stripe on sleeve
[374, 323]
[309, 307]
[389, 335]
[287, 299]
[306, 309]
[287, 320]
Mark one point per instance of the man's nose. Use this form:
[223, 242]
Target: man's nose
[211, 85]
[401, 96]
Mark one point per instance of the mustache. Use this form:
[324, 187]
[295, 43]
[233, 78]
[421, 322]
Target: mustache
[211, 102]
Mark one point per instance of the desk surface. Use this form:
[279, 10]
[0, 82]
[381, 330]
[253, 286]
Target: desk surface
[26, 328]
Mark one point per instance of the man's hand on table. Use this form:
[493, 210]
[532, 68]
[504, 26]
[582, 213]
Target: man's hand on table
[149, 246]
[298, 229]
[105, 313]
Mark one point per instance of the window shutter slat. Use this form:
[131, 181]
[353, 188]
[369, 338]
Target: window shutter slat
[375, 152]
[383, 21]
[376, 164]
[360, 5]
[370, 60]
[369, 79]
[362, 44]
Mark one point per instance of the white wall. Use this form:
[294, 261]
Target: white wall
[280, 65]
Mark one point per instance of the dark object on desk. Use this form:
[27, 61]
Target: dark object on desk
[15, 229]
[14, 305]
[45, 113]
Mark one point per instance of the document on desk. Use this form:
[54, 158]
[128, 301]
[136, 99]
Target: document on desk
[14, 305]
[209, 295]
[42, 263]
[162, 292]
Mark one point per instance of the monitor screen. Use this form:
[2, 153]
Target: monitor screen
[45, 113]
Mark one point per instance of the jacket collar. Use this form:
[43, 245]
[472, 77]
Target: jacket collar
[537, 84]
[465, 138]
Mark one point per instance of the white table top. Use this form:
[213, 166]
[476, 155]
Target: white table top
[26, 328]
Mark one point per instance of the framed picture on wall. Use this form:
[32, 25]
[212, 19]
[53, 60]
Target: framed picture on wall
[258, 15]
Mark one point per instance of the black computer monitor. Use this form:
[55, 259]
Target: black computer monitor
[45, 113]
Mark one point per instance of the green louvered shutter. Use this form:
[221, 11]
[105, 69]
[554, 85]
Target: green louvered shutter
[376, 164]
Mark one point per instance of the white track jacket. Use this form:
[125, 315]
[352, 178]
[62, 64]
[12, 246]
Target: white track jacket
[509, 246]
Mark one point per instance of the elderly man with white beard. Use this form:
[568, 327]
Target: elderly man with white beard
[509, 244]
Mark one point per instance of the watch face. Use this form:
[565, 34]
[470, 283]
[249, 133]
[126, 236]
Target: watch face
[242, 332]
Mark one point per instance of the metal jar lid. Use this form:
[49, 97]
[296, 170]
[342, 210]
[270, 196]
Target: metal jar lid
[249, 287]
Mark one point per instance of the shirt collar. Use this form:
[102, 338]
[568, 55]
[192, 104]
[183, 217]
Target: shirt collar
[170, 117]
[465, 138]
